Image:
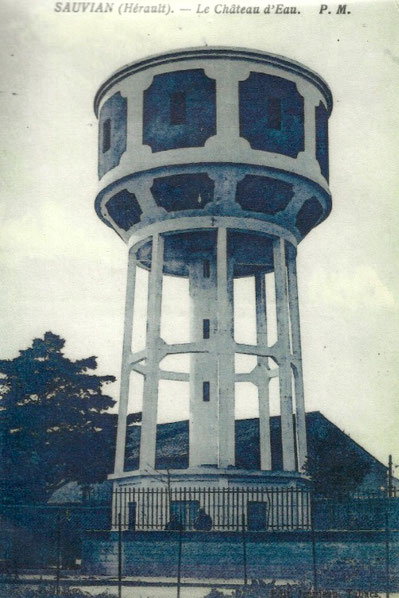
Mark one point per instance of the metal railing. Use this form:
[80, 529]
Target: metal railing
[273, 509]
[264, 509]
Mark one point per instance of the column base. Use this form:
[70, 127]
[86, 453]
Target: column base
[209, 477]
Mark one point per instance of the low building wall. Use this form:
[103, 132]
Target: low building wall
[349, 559]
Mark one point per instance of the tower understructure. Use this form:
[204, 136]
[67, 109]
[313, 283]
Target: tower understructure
[213, 166]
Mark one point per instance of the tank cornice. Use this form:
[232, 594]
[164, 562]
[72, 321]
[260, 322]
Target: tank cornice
[212, 53]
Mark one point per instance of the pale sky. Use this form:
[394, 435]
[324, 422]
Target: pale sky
[63, 270]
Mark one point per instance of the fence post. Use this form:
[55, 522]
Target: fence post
[14, 541]
[390, 476]
[119, 554]
[387, 549]
[313, 535]
[179, 558]
[244, 549]
[58, 554]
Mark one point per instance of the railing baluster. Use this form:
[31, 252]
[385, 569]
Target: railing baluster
[123, 520]
[135, 507]
[210, 509]
[300, 509]
[292, 508]
[156, 522]
[153, 507]
[138, 509]
[285, 507]
[241, 507]
[186, 518]
[233, 509]
[162, 509]
[123, 498]
[273, 510]
[129, 503]
[143, 508]
[228, 510]
[239, 518]
[214, 506]
[121, 505]
[148, 493]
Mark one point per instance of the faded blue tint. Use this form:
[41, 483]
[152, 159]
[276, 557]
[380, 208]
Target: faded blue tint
[322, 138]
[308, 216]
[112, 133]
[271, 114]
[183, 191]
[263, 194]
[179, 110]
[124, 209]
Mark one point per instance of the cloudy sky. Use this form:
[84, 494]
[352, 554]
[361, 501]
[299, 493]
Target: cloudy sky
[63, 270]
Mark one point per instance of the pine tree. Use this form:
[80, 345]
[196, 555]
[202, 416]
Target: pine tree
[54, 423]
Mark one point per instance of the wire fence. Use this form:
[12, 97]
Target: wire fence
[50, 537]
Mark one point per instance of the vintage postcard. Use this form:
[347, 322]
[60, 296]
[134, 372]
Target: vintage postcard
[199, 363]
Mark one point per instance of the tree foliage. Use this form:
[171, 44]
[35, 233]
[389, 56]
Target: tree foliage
[53, 421]
[335, 466]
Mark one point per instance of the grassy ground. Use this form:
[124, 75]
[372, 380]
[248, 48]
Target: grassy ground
[255, 589]
[6, 591]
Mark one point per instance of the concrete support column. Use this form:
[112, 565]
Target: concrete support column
[227, 116]
[125, 371]
[225, 189]
[263, 383]
[296, 349]
[142, 191]
[151, 381]
[311, 100]
[227, 77]
[284, 352]
[203, 435]
[135, 106]
[225, 341]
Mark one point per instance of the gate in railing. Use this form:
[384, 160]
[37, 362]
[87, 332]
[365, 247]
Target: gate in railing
[272, 509]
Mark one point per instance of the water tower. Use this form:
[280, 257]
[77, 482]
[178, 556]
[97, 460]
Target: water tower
[213, 166]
